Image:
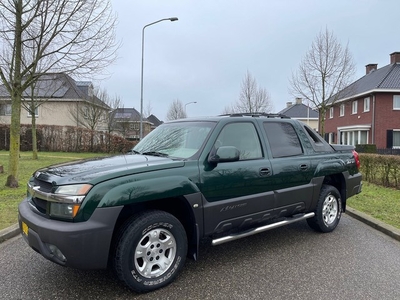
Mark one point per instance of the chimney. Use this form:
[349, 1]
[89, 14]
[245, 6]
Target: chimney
[299, 100]
[370, 67]
[289, 104]
[395, 58]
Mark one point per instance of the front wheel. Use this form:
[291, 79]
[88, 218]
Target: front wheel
[328, 211]
[151, 251]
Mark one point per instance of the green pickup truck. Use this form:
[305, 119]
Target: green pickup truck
[223, 177]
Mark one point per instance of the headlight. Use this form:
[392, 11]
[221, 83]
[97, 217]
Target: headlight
[74, 189]
[67, 199]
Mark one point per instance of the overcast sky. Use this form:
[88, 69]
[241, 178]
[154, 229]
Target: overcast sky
[205, 55]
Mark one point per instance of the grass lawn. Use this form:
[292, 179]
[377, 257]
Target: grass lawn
[10, 198]
[376, 201]
[379, 202]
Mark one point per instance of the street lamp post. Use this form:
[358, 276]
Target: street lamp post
[141, 75]
[188, 104]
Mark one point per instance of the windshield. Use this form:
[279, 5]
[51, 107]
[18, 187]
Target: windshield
[181, 140]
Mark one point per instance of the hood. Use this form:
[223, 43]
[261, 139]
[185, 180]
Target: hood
[97, 169]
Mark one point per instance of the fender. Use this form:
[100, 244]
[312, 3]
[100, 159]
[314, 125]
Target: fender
[148, 189]
[330, 167]
[118, 192]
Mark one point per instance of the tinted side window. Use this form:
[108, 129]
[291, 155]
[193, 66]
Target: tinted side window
[283, 139]
[244, 137]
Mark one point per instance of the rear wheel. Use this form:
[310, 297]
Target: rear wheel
[151, 251]
[328, 211]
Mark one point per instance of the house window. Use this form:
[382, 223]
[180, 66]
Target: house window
[331, 138]
[396, 139]
[341, 111]
[354, 137]
[393, 139]
[331, 113]
[354, 107]
[36, 112]
[396, 102]
[366, 104]
[363, 137]
[5, 110]
[86, 112]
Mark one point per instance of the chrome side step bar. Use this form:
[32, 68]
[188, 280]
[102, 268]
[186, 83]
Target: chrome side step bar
[237, 236]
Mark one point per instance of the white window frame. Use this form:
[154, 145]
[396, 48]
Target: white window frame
[331, 113]
[367, 104]
[396, 102]
[354, 105]
[341, 110]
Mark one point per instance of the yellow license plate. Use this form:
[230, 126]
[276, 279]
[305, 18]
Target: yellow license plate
[25, 228]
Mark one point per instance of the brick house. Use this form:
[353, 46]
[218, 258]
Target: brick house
[126, 122]
[368, 110]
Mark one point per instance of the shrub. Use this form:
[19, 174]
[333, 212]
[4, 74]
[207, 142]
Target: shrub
[381, 169]
[66, 139]
[366, 148]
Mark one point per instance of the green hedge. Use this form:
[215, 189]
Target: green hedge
[366, 148]
[381, 169]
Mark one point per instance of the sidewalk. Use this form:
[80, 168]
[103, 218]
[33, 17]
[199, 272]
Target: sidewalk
[389, 230]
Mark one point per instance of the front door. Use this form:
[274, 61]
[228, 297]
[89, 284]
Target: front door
[237, 193]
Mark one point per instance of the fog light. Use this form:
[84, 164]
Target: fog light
[56, 252]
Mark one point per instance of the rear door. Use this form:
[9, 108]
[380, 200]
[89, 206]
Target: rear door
[292, 172]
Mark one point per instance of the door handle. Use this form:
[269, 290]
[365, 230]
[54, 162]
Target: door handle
[265, 172]
[303, 167]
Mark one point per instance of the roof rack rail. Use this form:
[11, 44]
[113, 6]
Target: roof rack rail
[256, 115]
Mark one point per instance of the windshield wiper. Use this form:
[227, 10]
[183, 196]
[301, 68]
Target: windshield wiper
[133, 151]
[155, 153]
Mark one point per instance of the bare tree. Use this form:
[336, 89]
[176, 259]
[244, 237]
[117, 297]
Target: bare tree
[70, 36]
[92, 113]
[325, 70]
[252, 99]
[176, 110]
[114, 103]
[148, 109]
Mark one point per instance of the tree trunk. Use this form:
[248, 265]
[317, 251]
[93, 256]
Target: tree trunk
[12, 179]
[34, 137]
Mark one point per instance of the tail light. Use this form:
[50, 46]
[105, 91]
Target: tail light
[357, 159]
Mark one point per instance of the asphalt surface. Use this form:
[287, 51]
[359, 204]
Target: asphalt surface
[292, 262]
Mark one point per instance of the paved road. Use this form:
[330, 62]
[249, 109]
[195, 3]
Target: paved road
[292, 262]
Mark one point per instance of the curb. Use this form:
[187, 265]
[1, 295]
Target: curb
[387, 229]
[13, 231]
[9, 232]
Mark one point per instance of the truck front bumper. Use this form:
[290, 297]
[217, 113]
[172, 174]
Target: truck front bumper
[83, 245]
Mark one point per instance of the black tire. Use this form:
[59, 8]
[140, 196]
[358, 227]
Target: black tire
[150, 251]
[328, 211]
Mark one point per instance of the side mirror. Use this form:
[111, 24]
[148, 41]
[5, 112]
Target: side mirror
[224, 154]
